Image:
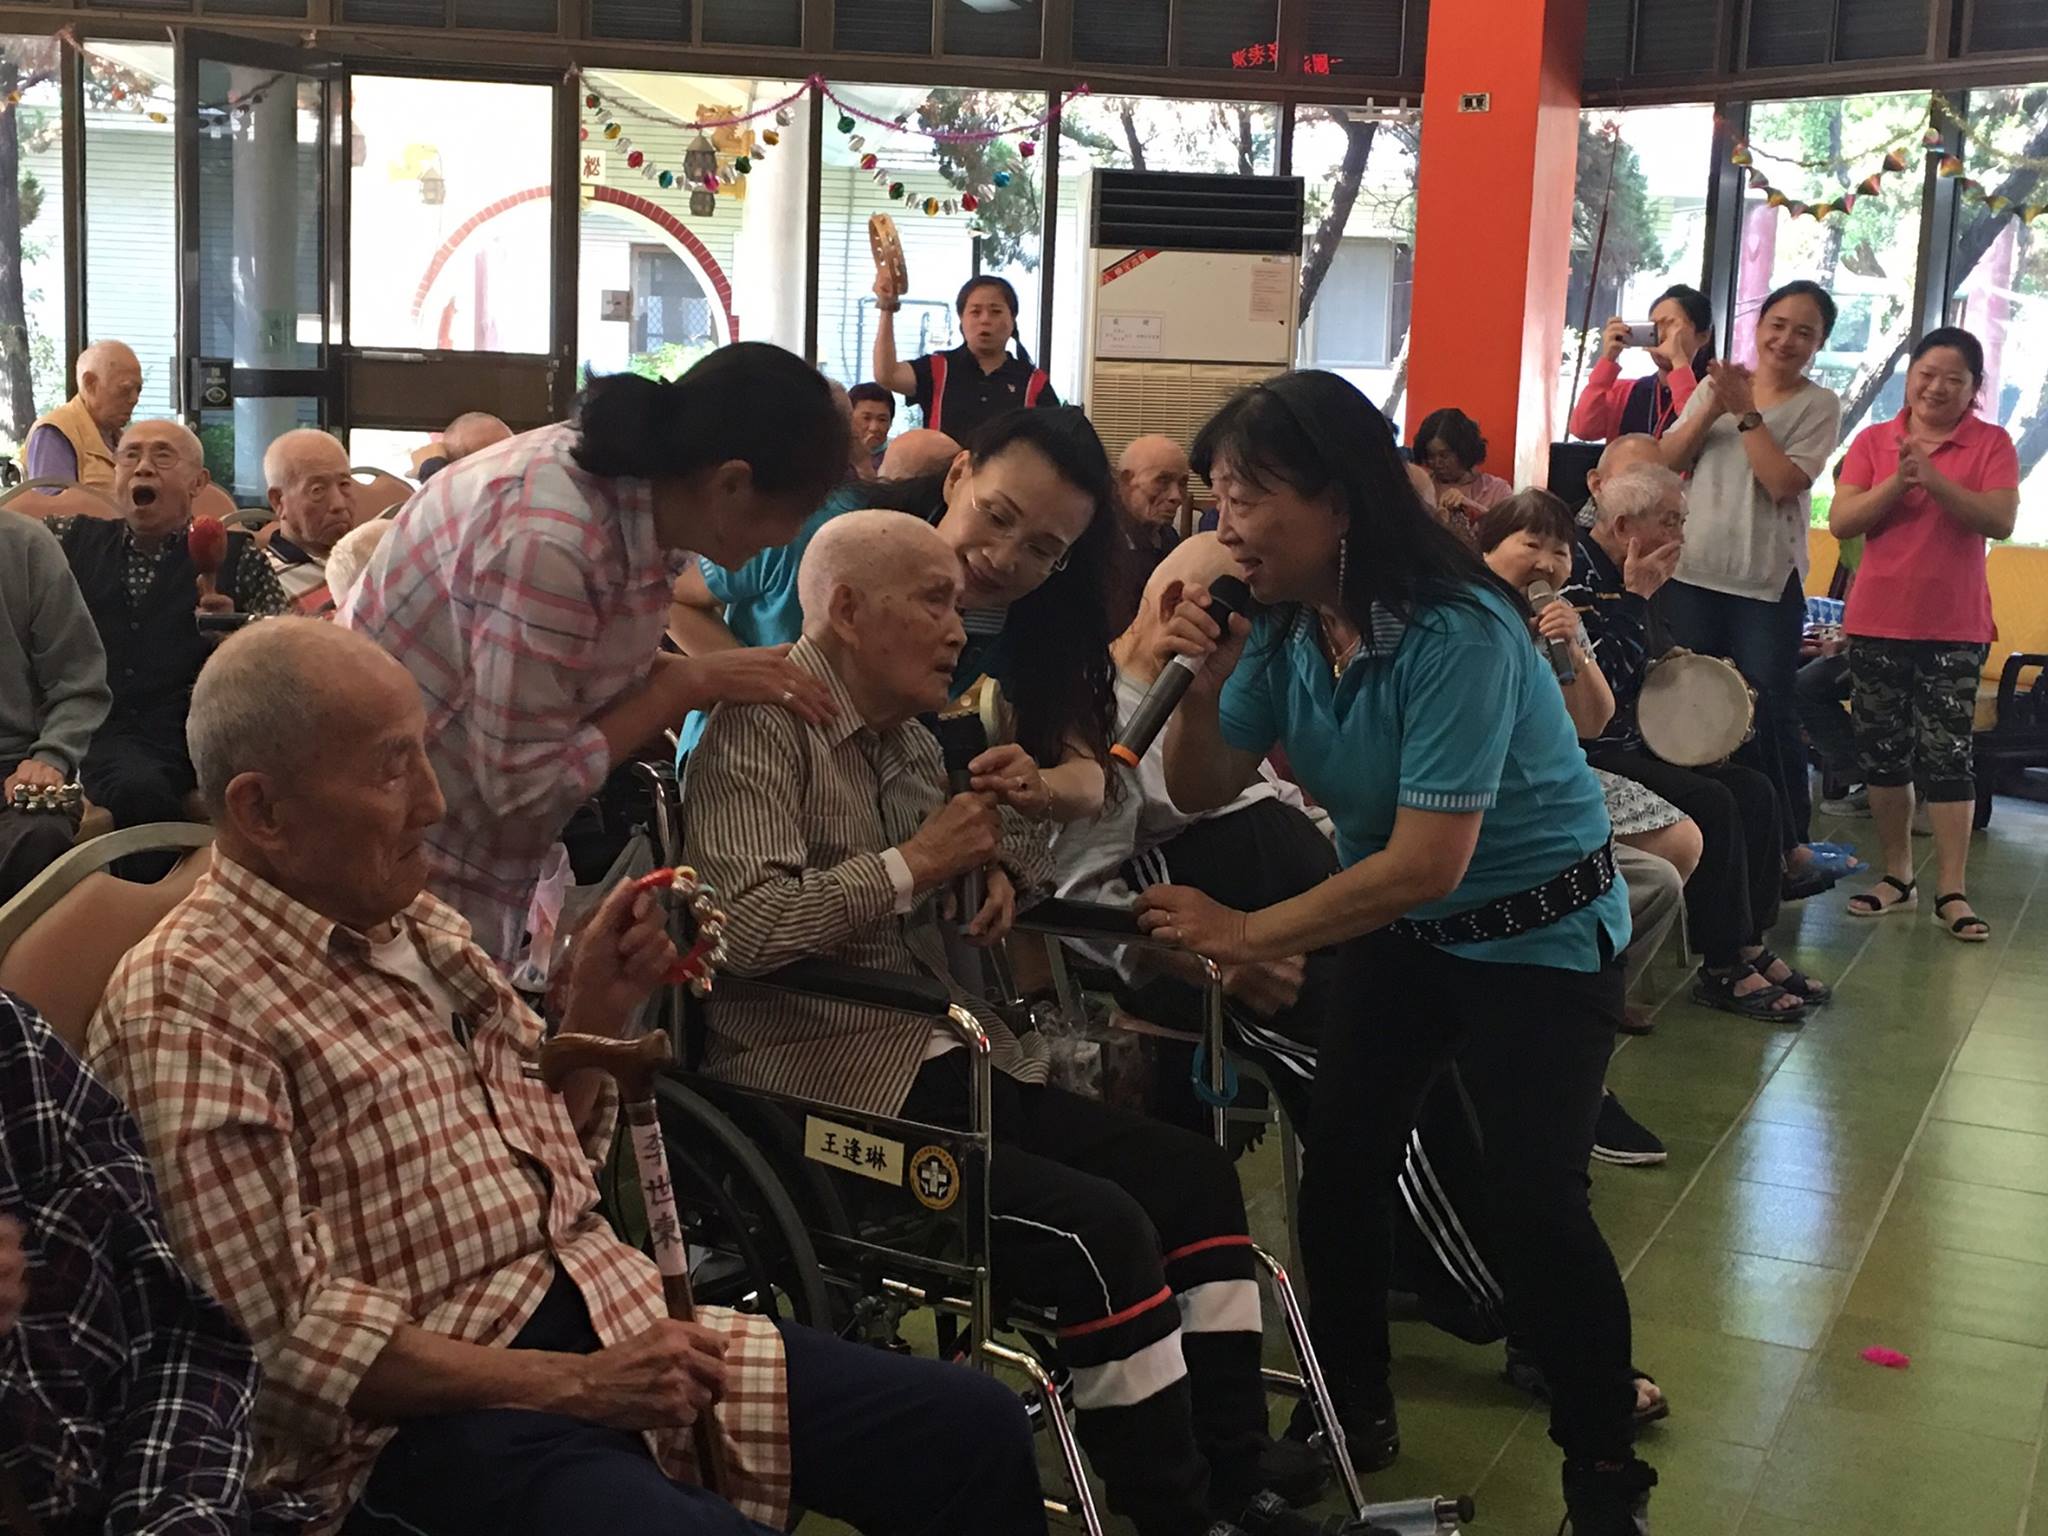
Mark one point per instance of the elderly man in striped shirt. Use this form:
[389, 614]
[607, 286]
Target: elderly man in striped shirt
[328, 1074]
[836, 840]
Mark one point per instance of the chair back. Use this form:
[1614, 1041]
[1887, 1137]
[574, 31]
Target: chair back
[374, 492]
[63, 934]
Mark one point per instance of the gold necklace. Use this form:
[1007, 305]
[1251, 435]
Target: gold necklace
[1338, 658]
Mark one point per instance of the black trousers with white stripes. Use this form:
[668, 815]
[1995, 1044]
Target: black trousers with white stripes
[1266, 853]
[1134, 1233]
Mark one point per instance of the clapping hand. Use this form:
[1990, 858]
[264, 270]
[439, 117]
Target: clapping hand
[1915, 468]
[1734, 388]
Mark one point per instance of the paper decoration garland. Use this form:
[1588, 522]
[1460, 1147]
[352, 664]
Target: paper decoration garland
[1895, 162]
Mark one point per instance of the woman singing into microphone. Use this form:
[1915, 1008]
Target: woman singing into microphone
[1477, 906]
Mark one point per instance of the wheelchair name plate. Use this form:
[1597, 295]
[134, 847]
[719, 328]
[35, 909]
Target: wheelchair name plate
[853, 1151]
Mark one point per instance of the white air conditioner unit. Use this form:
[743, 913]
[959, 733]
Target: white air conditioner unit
[1193, 287]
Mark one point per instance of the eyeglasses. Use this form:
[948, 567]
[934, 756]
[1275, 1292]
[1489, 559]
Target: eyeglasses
[1008, 529]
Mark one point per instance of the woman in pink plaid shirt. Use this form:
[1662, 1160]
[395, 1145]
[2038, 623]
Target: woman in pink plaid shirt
[527, 588]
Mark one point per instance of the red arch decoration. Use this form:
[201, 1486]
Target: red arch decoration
[632, 202]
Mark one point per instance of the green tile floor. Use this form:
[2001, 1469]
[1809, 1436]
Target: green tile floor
[1876, 1176]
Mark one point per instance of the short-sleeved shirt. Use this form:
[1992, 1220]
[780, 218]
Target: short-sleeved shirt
[1922, 572]
[761, 605]
[1453, 711]
[956, 396]
[1738, 539]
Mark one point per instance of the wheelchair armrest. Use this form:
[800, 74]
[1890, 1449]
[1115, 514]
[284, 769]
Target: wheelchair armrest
[2009, 682]
[860, 984]
[1082, 920]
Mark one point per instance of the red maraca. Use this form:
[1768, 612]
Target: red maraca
[207, 543]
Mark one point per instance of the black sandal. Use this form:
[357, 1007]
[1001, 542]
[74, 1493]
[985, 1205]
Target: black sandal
[1716, 989]
[1797, 982]
[1870, 904]
[1521, 1370]
[1971, 930]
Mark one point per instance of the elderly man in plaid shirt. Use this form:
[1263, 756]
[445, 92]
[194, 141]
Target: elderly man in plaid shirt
[124, 1388]
[328, 1075]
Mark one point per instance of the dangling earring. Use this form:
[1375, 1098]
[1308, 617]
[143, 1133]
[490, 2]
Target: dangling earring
[1343, 559]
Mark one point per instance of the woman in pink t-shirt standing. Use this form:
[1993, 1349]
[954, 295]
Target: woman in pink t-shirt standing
[1927, 488]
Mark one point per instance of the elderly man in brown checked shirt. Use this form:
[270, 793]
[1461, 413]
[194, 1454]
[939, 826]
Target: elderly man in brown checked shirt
[837, 840]
[327, 1071]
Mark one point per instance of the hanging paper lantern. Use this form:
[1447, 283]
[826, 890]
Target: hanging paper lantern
[931, 207]
[1951, 165]
[1739, 155]
[1848, 201]
[636, 159]
[743, 165]
[896, 189]
[969, 202]
[1002, 178]
[2032, 211]
[1776, 199]
[591, 100]
[726, 177]
[1871, 186]
[647, 171]
[583, 135]
[711, 183]
[625, 146]
[1795, 209]
[700, 160]
[1970, 184]
[1757, 179]
[845, 123]
[857, 143]
[665, 180]
[868, 161]
[158, 117]
[1931, 138]
[1823, 210]
[703, 204]
[1997, 202]
[783, 116]
[1895, 161]
[949, 207]
[1027, 149]
[770, 137]
[612, 130]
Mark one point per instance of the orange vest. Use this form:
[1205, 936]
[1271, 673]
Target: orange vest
[88, 442]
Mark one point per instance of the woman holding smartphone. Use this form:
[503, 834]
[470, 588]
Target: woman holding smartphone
[1477, 907]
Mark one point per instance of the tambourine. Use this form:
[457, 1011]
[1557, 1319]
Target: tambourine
[1694, 710]
[69, 798]
[682, 890]
[887, 246]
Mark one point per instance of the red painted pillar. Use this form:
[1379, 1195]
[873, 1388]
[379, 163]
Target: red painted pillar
[1494, 221]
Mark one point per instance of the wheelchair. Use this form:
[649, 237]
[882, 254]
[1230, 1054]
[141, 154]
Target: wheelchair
[851, 1221]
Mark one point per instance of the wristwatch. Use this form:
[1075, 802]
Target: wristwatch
[1749, 421]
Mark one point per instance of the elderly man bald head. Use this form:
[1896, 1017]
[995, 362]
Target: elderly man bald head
[76, 440]
[880, 595]
[473, 432]
[311, 491]
[919, 452]
[1154, 474]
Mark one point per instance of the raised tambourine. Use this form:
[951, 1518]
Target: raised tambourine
[887, 246]
[682, 891]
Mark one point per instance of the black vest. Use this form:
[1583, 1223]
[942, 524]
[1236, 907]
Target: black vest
[154, 649]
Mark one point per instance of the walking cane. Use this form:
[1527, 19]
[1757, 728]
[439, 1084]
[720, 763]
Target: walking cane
[632, 1065]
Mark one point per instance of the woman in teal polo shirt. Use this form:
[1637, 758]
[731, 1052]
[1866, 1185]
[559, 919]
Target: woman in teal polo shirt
[1478, 908]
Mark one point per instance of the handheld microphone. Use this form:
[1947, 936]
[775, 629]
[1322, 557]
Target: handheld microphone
[1227, 596]
[1541, 596]
[962, 738]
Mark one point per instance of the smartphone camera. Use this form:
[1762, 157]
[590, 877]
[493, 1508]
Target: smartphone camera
[1642, 334]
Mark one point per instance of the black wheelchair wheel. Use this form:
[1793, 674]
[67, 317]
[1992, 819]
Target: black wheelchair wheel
[749, 1248]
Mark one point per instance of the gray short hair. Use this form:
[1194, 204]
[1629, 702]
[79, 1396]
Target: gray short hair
[261, 702]
[1636, 491]
[281, 457]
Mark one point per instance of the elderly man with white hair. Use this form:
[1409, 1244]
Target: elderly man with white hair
[1153, 475]
[838, 840]
[144, 594]
[1733, 896]
[76, 440]
[328, 1073]
[307, 474]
